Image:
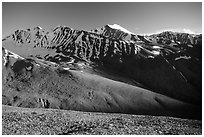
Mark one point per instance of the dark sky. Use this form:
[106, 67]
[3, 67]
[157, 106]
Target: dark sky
[139, 18]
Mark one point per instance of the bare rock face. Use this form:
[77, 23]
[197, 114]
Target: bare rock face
[168, 63]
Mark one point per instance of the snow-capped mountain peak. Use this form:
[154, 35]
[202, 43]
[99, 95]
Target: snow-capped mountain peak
[116, 26]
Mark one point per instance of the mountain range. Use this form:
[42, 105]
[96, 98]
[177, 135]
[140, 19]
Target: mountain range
[109, 69]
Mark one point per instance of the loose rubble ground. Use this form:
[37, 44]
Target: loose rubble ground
[37, 121]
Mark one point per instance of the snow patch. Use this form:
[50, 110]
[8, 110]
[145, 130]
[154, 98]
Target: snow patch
[156, 52]
[151, 57]
[183, 57]
[7, 54]
[116, 26]
[66, 68]
[12, 54]
[156, 47]
[39, 27]
[189, 45]
[177, 30]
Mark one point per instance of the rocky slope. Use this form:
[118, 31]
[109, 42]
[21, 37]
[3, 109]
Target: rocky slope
[167, 64]
[38, 83]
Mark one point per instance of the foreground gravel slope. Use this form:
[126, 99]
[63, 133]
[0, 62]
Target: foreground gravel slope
[23, 121]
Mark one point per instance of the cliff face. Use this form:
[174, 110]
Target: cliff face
[168, 63]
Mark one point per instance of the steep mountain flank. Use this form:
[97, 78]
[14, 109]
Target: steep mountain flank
[34, 83]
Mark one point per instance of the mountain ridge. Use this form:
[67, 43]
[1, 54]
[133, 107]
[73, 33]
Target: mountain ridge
[167, 63]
